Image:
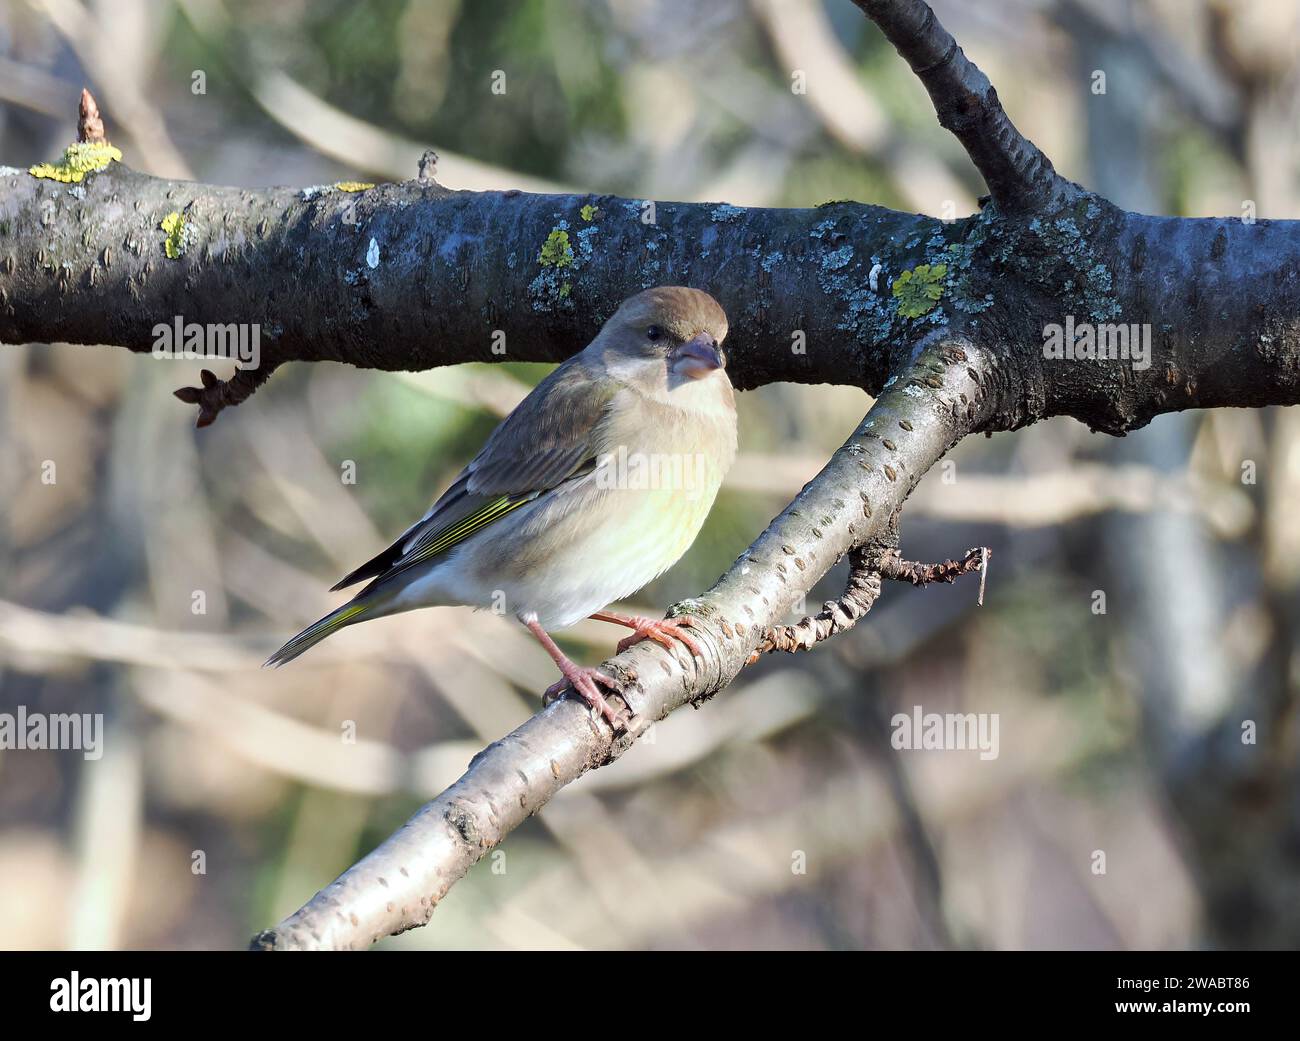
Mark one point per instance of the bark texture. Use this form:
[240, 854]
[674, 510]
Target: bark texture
[408, 276]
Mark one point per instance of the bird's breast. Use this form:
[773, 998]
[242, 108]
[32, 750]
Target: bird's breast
[602, 538]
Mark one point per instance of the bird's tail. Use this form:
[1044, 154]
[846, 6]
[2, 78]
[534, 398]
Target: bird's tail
[317, 631]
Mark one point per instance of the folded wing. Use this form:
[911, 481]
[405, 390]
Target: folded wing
[552, 436]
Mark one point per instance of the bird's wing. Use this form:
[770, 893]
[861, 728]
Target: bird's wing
[552, 436]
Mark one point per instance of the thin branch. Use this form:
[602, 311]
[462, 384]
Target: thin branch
[1019, 176]
[861, 592]
[894, 567]
[217, 394]
[868, 565]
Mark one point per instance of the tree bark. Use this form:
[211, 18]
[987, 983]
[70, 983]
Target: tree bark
[451, 268]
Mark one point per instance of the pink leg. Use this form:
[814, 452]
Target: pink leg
[662, 630]
[584, 679]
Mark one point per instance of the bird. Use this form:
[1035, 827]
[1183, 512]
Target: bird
[594, 485]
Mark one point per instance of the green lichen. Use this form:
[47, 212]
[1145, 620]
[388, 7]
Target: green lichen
[354, 186]
[556, 251]
[589, 212]
[919, 289]
[78, 160]
[180, 235]
[563, 255]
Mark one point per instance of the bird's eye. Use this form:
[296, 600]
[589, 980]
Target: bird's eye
[653, 333]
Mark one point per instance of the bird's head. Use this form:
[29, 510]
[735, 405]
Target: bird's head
[665, 338]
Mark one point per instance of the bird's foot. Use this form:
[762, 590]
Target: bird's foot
[663, 631]
[586, 681]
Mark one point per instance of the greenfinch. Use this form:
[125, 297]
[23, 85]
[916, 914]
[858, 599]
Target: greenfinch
[594, 485]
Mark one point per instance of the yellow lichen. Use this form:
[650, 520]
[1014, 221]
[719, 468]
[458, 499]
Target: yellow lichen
[78, 160]
[556, 251]
[354, 186]
[589, 212]
[179, 234]
[919, 289]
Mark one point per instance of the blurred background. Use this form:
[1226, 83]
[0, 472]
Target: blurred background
[1141, 603]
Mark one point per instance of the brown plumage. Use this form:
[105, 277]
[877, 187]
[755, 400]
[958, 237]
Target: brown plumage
[556, 514]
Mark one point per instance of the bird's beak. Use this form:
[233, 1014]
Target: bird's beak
[697, 357]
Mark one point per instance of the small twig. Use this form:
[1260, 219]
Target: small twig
[90, 128]
[216, 394]
[892, 566]
[428, 167]
[868, 565]
[836, 616]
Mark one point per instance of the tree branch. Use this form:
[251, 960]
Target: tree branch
[861, 591]
[457, 277]
[894, 567]
[413, 276]
[1018, 175]
[868, 565]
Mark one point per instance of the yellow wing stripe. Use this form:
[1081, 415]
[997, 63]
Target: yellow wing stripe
[316, 632]
[444, 539]
[331, 622]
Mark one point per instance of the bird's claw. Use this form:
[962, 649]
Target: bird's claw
[663, 631]
[586, 681]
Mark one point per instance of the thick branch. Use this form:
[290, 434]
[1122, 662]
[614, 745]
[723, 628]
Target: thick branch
[411, 276]
[456, 277]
